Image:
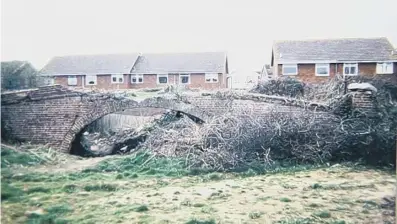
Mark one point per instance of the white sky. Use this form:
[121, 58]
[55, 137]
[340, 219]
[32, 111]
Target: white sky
[36, 30]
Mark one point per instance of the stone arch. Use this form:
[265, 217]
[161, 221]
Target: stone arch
[100, 107]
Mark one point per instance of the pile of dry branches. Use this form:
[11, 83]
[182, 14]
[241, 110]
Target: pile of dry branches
[234, 140]
[281, 87]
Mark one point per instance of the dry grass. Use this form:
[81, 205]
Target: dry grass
[332, 195]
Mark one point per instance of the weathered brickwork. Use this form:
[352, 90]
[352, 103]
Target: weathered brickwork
[55, 114]
[197, 80]
[307, 73]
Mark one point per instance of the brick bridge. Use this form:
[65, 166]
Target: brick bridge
[55, 115]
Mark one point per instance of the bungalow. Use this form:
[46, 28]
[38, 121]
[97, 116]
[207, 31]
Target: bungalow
[317, 60]
[101, 71]
[206, 70]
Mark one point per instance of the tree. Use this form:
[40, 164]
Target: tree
[17, 75]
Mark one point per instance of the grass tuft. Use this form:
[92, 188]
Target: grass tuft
[38, 189]
[196, 221]
[255, 215]
[323, 214]
[198, 205]
[314, 205]
[9, 192]
[69, 188]
[296, 221]
[100, 187]
[141, 208]
[285, 200]
[11, 157]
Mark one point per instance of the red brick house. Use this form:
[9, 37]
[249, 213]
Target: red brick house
[206, 70]
[318, 60]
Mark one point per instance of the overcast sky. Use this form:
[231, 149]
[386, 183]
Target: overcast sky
[36, 30]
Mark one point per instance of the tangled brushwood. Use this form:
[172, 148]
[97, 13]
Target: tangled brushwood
[282, 87]
[234, 141]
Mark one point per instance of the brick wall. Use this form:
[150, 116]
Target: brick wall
[63, 80]
[149, 81]
[55, 115]
[197, 80]
[307, 73]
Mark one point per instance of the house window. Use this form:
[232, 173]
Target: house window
[350, 69]
[322, 69]
[118, 78]
[184, 78]
[211, 77]
[90, 80]
[162, 78]
[291, 69]
[72, 80]
[137, 78]
[384, 68]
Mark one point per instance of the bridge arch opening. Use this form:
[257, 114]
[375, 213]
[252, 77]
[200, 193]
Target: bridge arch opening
[105, 136]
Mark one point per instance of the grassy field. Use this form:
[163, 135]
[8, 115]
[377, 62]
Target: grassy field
[141, 189]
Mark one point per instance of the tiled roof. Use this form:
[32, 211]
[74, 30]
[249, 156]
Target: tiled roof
[181, 62]
[348, 49]
[90, 64]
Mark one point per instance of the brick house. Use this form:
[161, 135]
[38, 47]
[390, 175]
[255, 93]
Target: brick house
[206, 70]
[316, 61]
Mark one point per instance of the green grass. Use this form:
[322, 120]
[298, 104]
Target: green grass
[38, 190]
[10, 192]
[285, 200]
[208, 210]
[101, 187]
[97, 187]
[198, 205]
[141, 208]
[52, 214]
[296, 221]
[322, 214]
[314, 205]
[196, 221]
[255, 215]
[145, 164]
[70, 188]
[11, 157]
[214, 176]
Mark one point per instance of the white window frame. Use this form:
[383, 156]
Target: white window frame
[87, 80]
[323, 65]
[350, 65]
[136, 76]
[162, 75]
[211, 77]
[184, 75]
[384, 68]
[117, 76]
[291, 66]
[72, 80]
